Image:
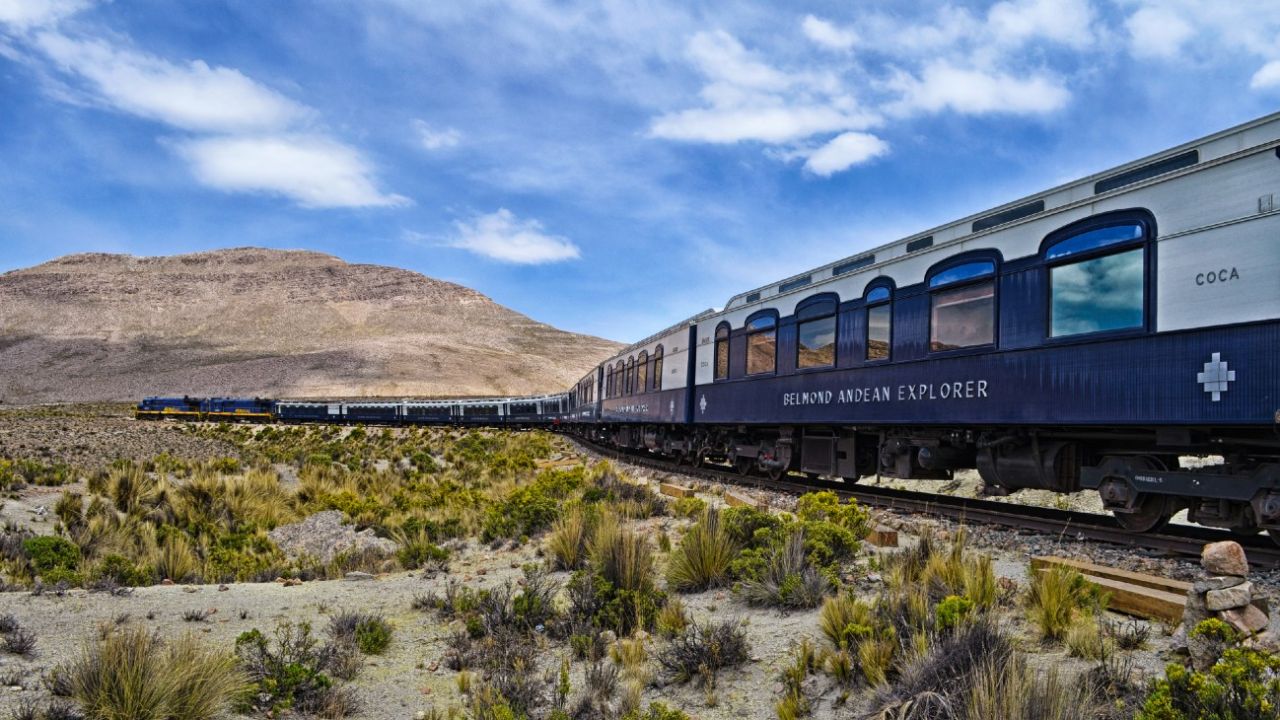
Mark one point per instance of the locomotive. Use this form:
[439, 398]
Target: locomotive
[1090, 336]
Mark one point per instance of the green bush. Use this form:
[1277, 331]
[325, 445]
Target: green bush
[656, 711]
[293, 672]
[373, 636]
[1243, 685]
[49, 553]
[531, 508]
[952, 611]
[119, 569]
[688, 507]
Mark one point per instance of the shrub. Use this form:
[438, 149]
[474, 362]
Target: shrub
[531, 508]
[118, 569]
[50, 553]
[702, 558]
[825, 506]
[418, 551]
[370, 633]
[1084, 638]
[293, 673]
[19, 642]
[672, 618]
[621, 556]
[703, 649]
[1245, 683]
[845, 620]
[1056, 597]
[656, 711]
[133, 674]
[945, 671]
[789, 580]
[952, 611]
[688, 507]
[176, 560]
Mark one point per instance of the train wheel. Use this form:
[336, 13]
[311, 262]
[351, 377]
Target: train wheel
[776, 474]
[1152, 512]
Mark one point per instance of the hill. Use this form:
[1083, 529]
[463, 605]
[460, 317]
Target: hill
[279, 323]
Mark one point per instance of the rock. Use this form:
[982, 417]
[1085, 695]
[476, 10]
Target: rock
[1227, 598]
[1224, 558]
[1178, 641]
[1267, 641]
[190, 589]
[1261, 603]
[1220, 582]
[223, 588]
[166, 581]
[1247, 619]
[1204, 651]
[1195, 611]
[323, 536]
[357, 575]
[292, 582]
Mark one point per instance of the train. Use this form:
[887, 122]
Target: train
[1088, 337]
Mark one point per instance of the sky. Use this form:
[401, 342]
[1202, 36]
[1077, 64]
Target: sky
[605, 167]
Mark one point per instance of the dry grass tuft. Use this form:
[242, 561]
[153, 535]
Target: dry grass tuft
[702, 558]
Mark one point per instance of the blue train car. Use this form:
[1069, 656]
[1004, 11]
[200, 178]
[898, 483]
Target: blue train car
[238, 409]
[176, 408]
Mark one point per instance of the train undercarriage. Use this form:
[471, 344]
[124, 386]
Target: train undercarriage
[1227, 479]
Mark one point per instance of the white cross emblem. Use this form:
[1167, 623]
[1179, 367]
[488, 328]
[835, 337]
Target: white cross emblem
[703, 405]
[1216, 376]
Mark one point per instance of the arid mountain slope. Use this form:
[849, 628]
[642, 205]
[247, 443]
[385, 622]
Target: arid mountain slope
[251, 321]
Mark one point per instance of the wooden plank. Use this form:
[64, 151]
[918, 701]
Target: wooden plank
[1141, 601]
[883, 537]
[1154, 582]
[674, 490]
[743, 500]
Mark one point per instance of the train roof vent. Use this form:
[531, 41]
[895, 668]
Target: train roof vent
[920, 244]
[1145, 172]
[753, 297]
[1008, 216]
[853, 264]
[799, 282]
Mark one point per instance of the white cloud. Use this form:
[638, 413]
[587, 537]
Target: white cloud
[28, 14]
[502, 236]
[945, 87]
[1068, 22]
[192, 96]
[1157, 32]
[315, 171]
[748, 99]
[1267, 77]
[432, 139]
[828, 34]
[845, 151]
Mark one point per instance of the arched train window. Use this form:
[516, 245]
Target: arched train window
[816, 331]
[879, 301]
[762, 343]
[657, 369]
[1097, 275]
[722, 351]
[962, 300]
[631, 376]
[642, 373]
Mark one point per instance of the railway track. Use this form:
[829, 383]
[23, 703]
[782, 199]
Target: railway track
[1177, 539]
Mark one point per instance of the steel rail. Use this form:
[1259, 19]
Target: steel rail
[1187, 540]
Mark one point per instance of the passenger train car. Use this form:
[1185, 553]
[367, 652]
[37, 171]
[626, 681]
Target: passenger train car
[1085, 337]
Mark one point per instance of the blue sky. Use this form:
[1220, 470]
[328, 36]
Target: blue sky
[606, 167]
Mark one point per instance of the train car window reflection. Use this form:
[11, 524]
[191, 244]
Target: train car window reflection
[762, 345]
[642, 373]
[963, 317]
[1102, 293]
[967, 271]
[631, 377]
[879, 320]
[878, 294]
[1095, 240]
[816, 346]
[722, 352]
[657, 368]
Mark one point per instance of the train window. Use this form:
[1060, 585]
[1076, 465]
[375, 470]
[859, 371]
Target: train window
[963, 317]
[1096, 280]
[642, 373]
[657, 368]
[879, 322]
[762, 345]
[722, 351]
[619, 379]
[967, 271]
[631, 377]
[816, 333]
[608, 382]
